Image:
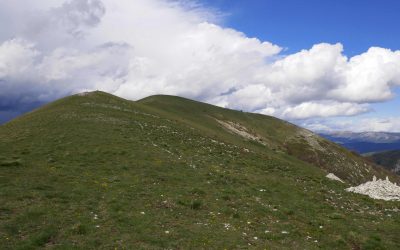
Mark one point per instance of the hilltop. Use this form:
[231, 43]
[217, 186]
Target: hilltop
[96, 171]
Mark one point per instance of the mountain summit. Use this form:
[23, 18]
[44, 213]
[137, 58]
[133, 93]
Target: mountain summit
[96, 171]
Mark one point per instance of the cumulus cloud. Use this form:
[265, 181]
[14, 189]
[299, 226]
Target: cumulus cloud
[370, 77]
[16, 57]
[323, 109]
[52, 48]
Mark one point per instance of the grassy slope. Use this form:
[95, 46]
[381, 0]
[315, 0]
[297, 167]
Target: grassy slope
[279, 136]
[167, 157]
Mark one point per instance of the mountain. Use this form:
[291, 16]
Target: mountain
[365, 142]
[388, 159]
[94, 171]
[377, 137]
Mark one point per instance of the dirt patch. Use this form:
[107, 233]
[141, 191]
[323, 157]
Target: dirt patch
[311, 139]
[240, 130]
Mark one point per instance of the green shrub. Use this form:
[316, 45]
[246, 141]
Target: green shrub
[11, 163]
[196, 205]
[80, 229]
[373, 243]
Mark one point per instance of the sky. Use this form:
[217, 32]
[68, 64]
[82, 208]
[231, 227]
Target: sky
[325, 65]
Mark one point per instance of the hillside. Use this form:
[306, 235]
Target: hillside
[388, 159]
[269, 134]
[97, 171]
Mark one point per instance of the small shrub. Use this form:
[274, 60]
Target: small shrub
[197, 191]
[25, 152]
[181, 202]
[44, 237]
[196, 205]
[354, 239]
[11, 229]
[80, 229]
[335, 216]
[226, 198]
[236, 215]
[11, 163]
[373, 243]
[290, 212]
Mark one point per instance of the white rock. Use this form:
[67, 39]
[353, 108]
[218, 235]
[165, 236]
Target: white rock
[334, 177]
[378, 189]
[83, 93]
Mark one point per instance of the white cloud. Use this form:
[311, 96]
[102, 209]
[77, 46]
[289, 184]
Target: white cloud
[369, 77]
[378, 124]
[323, 109]
[16, 57]
[308, 74]
[51, 48]
[391, 124]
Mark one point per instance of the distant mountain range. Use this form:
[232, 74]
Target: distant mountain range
[365, 142]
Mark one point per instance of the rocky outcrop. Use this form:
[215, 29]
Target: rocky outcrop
[378, 189]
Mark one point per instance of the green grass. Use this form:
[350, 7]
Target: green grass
[99, 172]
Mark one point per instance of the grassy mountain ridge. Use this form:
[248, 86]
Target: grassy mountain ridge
[274, 134]
[97, 171]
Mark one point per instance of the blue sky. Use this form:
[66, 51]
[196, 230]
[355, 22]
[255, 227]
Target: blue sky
[297, 25]
[357, 24]
[324, 65]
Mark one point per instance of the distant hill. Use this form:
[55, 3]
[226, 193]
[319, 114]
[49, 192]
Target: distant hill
[388, 159]
[365, 142]
[94, 171]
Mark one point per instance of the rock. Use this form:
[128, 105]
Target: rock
[378, 189]
[334, 177]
